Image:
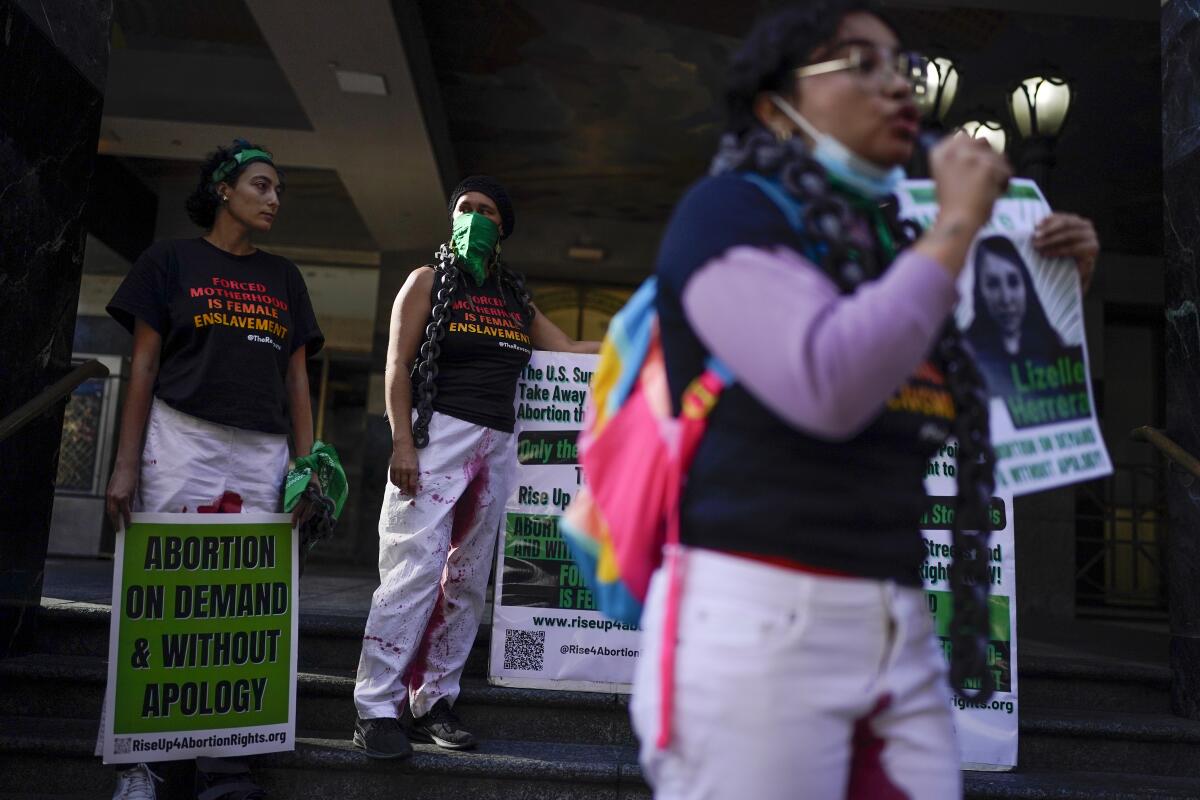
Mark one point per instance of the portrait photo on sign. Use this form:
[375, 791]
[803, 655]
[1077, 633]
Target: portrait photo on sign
[1023, 317]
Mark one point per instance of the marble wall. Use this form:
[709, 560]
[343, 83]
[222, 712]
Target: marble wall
[53, 58]
[1181, 209]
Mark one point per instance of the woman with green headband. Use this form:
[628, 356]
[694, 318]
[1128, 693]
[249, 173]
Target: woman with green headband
[218, 380]
[461, 332]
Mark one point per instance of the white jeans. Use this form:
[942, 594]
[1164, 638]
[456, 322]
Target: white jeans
[435, 553]
[189, 463]
[791, 685]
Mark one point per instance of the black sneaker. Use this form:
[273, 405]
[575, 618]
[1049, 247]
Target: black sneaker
[442, 727]
[382, 738]
[225, 779]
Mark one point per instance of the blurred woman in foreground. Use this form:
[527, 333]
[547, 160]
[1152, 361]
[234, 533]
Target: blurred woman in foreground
[806, 664]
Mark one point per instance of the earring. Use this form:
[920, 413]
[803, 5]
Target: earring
[224, 199]
[783, 134]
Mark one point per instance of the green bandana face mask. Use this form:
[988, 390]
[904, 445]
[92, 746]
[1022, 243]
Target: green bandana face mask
[473, 241]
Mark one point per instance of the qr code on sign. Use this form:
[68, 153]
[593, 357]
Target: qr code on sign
[524, 649]
[123, 746]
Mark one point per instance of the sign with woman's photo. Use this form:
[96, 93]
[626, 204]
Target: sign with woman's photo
[1022, 314]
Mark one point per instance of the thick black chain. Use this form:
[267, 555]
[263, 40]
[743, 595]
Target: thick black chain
[970, 576]
[426, 371]
[319, 525]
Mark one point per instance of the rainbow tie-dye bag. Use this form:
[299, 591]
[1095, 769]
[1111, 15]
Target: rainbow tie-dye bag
[635, 456]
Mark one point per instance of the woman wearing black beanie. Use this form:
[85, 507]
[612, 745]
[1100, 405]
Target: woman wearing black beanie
[461, 332]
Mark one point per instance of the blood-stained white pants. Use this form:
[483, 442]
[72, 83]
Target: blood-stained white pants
[791, 685]
[435, 553]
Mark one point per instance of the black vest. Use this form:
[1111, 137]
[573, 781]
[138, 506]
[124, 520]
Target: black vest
[485, 348]
[760, 486]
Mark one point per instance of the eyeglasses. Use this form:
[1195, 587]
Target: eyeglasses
[874, 64]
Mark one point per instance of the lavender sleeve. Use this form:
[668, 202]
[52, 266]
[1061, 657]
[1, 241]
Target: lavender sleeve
[823, 361]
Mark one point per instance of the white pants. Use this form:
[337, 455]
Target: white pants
[435, 553]
[792, 686]
[190, 464]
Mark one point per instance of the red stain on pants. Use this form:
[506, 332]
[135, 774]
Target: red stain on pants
[228, 503]
[868, 778]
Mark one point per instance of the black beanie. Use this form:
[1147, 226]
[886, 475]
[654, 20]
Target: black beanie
[485, 184]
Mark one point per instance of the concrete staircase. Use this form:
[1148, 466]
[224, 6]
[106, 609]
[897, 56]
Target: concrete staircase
[1090, 728]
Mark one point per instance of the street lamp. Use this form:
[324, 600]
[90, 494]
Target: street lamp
[934, 95]
[1039, 107]
[989, 130]
[940, 87]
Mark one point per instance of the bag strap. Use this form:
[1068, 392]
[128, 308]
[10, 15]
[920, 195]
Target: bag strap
[791, 209]
[776, 194]
[720, 372]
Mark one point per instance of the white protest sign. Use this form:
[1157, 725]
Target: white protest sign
[1022, 314]
[546, 632]
[987, 734]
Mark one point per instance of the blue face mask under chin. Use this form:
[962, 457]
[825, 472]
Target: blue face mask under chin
[848, 168]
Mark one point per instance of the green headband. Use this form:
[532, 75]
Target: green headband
[240, 159]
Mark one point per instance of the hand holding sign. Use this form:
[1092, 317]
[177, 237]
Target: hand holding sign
[1022, 312]
[1062, 235]
[970, 177]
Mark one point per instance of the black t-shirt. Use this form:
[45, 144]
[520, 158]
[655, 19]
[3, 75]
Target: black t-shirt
[757, 484]
[229, 326]
[486, 346]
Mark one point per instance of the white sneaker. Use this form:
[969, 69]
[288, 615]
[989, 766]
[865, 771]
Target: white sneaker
[136, 783]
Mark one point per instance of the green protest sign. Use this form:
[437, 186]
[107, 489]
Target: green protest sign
[941, 605]
[987, 729]
[202, 646]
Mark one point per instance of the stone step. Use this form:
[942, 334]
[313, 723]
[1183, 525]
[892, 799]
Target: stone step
[1025, 785]
[55, 757]
[52, 759]
[1085, 683]
[1087, 741]
[73, 687]
[326, 642]
[1103, 741]
[333, 643]
[1094, 741]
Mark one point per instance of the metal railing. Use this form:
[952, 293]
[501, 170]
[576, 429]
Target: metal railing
[52, 394]
[1122, 529]
[1120, 542]
[1168, 447]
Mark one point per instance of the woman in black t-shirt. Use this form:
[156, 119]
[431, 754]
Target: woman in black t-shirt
[221, 331]
[452, 397]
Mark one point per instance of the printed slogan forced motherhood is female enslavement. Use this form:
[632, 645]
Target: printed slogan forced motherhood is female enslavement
[239, 304]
